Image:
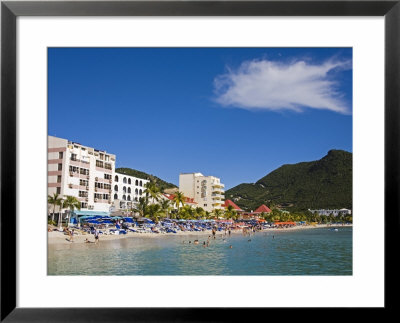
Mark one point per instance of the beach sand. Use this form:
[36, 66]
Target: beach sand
[57, 238]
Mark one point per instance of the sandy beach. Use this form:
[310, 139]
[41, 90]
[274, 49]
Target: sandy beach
[57, 238]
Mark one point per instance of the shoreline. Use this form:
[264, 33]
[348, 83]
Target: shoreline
[59, 238]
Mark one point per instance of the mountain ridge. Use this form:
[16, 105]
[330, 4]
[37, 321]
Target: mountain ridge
[323, 183]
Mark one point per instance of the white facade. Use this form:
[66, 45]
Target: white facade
[335, 212]
[80, 171]
[127, 190]
[207, 191]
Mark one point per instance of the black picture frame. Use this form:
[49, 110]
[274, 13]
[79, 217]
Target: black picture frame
[10, 10]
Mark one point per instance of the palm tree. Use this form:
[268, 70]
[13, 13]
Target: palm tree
[179, 199]
[54, 200]
[71, 203]
[165, 207]
[230, 212]
[154, 212]
[217, 213]
[152, 191]
[142, 206]
[199, 212]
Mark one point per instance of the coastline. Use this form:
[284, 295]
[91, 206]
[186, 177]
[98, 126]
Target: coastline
[59, 238]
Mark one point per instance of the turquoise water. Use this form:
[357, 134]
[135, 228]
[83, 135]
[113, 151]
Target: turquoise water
[302, 252]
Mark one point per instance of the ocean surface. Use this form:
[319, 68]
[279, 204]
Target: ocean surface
[318, 251]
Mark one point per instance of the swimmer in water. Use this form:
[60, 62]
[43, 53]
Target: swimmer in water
[230, 247]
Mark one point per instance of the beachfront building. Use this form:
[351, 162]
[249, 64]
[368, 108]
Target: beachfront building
[334, 212]
[188, 201]
[231, 203]
[80, 171]
[127, 190]
[207, 191]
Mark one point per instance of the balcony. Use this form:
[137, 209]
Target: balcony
[220, 185]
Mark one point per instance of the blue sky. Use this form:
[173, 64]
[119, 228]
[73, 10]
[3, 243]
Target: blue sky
[235, 113]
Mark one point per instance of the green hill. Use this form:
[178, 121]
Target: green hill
[136, 173]
[325, 183]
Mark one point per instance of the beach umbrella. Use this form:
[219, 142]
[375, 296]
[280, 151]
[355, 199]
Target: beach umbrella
[93, 221]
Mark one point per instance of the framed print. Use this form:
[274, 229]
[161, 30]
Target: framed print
[164, 160]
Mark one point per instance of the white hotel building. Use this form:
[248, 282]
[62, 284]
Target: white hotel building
[127, 190]
[81, 171]
[207, 191]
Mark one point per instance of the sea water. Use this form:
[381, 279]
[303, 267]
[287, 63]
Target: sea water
[317, 251]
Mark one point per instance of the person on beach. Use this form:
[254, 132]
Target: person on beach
[96, 236]
[71, 235]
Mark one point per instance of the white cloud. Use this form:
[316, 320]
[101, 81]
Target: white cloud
[270, 85]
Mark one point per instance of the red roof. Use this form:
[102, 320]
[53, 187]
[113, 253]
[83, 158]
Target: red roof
[263, 208]
[188, 200]
[229, 202]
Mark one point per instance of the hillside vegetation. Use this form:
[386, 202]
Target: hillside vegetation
[325, 183]
[136, 173]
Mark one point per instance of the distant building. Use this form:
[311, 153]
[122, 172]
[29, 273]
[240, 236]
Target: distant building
[127, 190]
[231, 203]
[80, 171]
[334, 212]
[207, 191]
[188, 201]
[262, 209]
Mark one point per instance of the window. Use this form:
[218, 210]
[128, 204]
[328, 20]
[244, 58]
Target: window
[59, 179]
[105, 196]
[129, 189]
[129, 181]
[129, 197]
[205, 204]
[116, 188]
[58, 190]
[83, 182]
[99, 163]
[59, 166]
[140, 192]
[107, 176]
[136, 191]
[115, 196]
[137, 183]
[107, 186]
[60, 155]
[124, 197]
[107, 166]
[83, 194]
[83, 205]
[73, 157]
[140, 183]
[124, 180]
[84, 171]
[116, 178]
